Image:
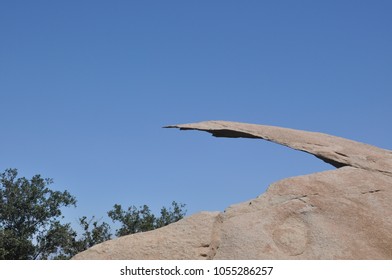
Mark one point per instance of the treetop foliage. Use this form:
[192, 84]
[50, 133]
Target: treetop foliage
[136, 220]
[29, 211]
[31, 225]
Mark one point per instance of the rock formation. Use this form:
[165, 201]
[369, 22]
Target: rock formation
[345, 213]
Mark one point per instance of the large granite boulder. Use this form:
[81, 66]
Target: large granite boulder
[345, 213]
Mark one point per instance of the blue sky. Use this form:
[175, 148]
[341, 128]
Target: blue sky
[86, 86]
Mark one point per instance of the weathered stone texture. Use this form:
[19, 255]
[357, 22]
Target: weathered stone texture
[340, 214]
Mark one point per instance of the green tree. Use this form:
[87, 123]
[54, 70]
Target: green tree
[31, 227]
[134, 220]
[93, 233]
[171, 215]
[30, 215]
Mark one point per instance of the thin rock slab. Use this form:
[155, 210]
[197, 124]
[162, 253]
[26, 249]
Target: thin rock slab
[332, 149]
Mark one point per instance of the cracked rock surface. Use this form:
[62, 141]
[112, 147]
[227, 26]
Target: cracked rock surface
[345, 213]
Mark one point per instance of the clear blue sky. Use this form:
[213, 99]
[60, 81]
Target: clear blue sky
[85, 87]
